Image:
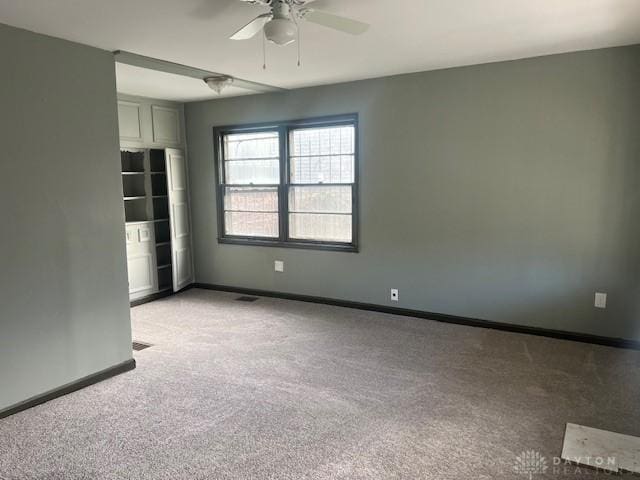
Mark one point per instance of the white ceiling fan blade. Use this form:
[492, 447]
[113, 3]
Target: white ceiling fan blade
[336, 22]
[251, 28]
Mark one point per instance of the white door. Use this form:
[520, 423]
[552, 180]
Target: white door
[141, 262]
[179, 215]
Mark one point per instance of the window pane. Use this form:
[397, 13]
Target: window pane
[320, 226]
[323, 141]
[252, 199]
[331, 169]
[258, 172]
[320, 199]
[251, 211]
[251, 224]
[322, 155]
[252, 158]
[258, 145]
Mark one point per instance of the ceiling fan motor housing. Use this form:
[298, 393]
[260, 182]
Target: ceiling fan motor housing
[281, 30]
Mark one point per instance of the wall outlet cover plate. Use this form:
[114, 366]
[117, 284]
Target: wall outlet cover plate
[600, 300]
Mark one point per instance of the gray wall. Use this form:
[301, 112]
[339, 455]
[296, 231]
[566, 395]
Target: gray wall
[505, 192]
[63, 287]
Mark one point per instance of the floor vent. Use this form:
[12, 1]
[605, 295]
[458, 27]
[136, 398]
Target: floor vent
[137, 346]
[246, 299]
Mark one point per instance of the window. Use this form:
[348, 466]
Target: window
[252, 177]
[289, 184]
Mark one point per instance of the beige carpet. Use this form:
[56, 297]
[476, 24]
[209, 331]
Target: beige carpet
[289, 390]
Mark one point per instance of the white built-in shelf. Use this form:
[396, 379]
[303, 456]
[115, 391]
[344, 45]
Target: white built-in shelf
[162, 244]
[160, 219]
[160, 196]
[135, 198]
[137, 222]
[133, 173]
[160, 267]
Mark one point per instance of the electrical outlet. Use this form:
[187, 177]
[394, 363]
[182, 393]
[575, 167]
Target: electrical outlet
[601, 300]
[394, 295]
[278, 266]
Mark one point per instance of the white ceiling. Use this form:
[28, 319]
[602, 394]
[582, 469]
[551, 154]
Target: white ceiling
[405, 36]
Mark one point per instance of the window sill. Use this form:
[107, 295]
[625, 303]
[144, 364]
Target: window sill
[333, 247]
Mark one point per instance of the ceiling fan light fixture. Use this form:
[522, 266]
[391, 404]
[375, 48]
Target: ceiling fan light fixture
[280, 31]
[218, 83]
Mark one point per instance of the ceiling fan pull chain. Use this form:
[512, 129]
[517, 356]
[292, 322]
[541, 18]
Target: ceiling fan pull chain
[264, 50]
[299, 56]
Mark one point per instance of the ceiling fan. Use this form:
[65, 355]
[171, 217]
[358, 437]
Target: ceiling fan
[281, 23]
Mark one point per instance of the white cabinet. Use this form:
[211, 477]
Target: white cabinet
[129, 121]
[150, 123]
[141, 261]
[165, 122]
[155, 191]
